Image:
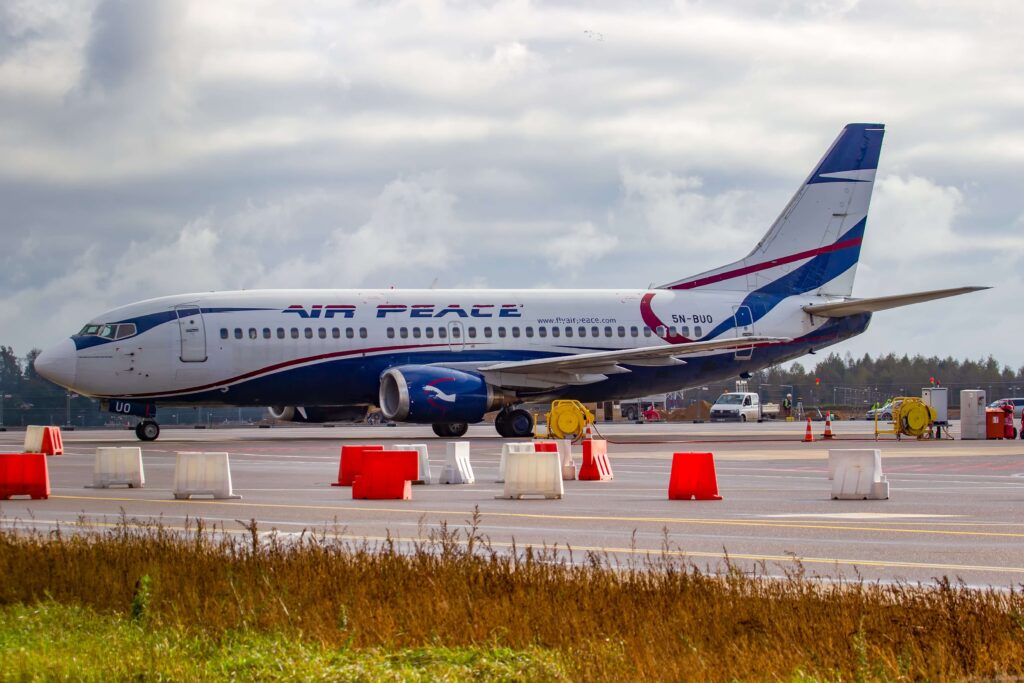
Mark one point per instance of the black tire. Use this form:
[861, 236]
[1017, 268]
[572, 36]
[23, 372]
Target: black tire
[630, 414]
[520, 424]
[442, 429]
[457, 429]
[501, 424]
[147, 431]
[743, 417]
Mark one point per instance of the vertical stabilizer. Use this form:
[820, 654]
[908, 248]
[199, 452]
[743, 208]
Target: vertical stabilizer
[814, 245]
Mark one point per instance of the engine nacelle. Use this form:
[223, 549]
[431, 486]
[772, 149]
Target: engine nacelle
[429, 394]
[318, 413]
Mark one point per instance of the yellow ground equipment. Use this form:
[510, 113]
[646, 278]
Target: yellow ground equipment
[910, 417]
[568, 419]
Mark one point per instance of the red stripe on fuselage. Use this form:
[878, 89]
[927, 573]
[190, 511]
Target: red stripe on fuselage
[282, 365]
[728, 275]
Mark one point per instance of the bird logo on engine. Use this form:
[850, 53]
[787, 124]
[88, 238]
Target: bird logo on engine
[436, 397]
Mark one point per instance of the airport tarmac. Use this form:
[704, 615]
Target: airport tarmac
[956, 508]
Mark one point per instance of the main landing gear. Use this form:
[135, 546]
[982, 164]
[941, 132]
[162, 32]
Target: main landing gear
[147, 430]
[514, 424]
[450, 429]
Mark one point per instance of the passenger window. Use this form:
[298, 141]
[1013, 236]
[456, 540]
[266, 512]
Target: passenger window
[456, 332]
[501, 332]
[335, 333]
[647, 331]
[416, 332]
[252, 333]
[266, 333]
[488, 332]
[661, 330]
[223, 333]
[322, 333]
[442, 333]
[295, 333]
[362, 333]
[238, 333]
[515, 332]
[350, 333]
[622, 331]
[391, 333]
[595, 331]
[672, 331]
[634, 332]
[608, 331]
[568, 331]
[280, 333]
[542, 331]
[697, 332]
[403, 332]
[472, 332]
[529, 331]
[430, 333]
[555, 331]
[582, 332]
[309, 332]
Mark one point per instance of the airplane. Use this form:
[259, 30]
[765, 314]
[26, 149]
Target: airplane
[447, 357]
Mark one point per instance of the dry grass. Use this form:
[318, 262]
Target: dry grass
[661, 619]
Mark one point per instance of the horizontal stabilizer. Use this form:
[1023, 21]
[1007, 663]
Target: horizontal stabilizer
[841, 309]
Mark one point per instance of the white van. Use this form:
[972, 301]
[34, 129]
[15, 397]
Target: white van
[741, 406]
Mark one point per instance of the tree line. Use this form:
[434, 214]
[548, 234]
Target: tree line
[833, 381]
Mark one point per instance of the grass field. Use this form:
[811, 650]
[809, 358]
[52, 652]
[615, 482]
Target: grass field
[143, 600]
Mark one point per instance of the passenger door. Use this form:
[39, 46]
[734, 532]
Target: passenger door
[193, 334]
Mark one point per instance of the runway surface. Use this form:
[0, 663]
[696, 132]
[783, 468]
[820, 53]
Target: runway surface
[956, 507]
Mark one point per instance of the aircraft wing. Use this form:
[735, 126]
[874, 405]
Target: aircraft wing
[840, 309]
[586, 368]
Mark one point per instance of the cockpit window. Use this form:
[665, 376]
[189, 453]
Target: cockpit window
[125, 330]
[110, 330]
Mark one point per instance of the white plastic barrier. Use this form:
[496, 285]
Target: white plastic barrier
[457, 469]
[33, 439]
[518, 447]
[424, 461]
[199, 474]
[857, 474]
[533, 474]
[118, 467]
[568, 464]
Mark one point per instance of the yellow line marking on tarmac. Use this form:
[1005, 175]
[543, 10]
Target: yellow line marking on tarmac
[787, 559]
[579, 518]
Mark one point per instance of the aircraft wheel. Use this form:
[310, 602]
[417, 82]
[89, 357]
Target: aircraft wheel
[147, 430]
[501, 424]
[441, 429]
[458, 429]
[520, 424]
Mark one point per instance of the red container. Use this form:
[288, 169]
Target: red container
[994, 428]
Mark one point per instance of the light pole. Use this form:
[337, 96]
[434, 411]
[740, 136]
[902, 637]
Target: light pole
[3, 428]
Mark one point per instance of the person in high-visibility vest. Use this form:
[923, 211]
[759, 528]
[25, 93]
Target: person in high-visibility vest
[787, 405]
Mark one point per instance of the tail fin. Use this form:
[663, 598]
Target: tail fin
[814, 245]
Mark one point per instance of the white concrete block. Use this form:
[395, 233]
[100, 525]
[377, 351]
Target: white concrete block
[424, 461]
[533, 474]
[457, 468]
[565, 455]
[199, 474]
[118, 467]
[33, 439]
[857, 474]
[516, 447]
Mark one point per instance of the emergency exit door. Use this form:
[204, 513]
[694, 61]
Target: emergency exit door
[744, 328]
[193, 334]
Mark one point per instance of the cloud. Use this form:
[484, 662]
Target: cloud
[151, 147]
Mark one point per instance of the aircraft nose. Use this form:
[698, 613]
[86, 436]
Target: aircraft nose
[59, 363]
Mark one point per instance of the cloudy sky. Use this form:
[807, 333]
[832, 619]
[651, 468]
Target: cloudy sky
[157, 147]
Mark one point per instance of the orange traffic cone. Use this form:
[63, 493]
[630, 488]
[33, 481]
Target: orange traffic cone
[586, 432]
[808, 435]
[828, 426]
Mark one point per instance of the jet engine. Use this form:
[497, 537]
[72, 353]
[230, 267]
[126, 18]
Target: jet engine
[429, 394]
[317, 413]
